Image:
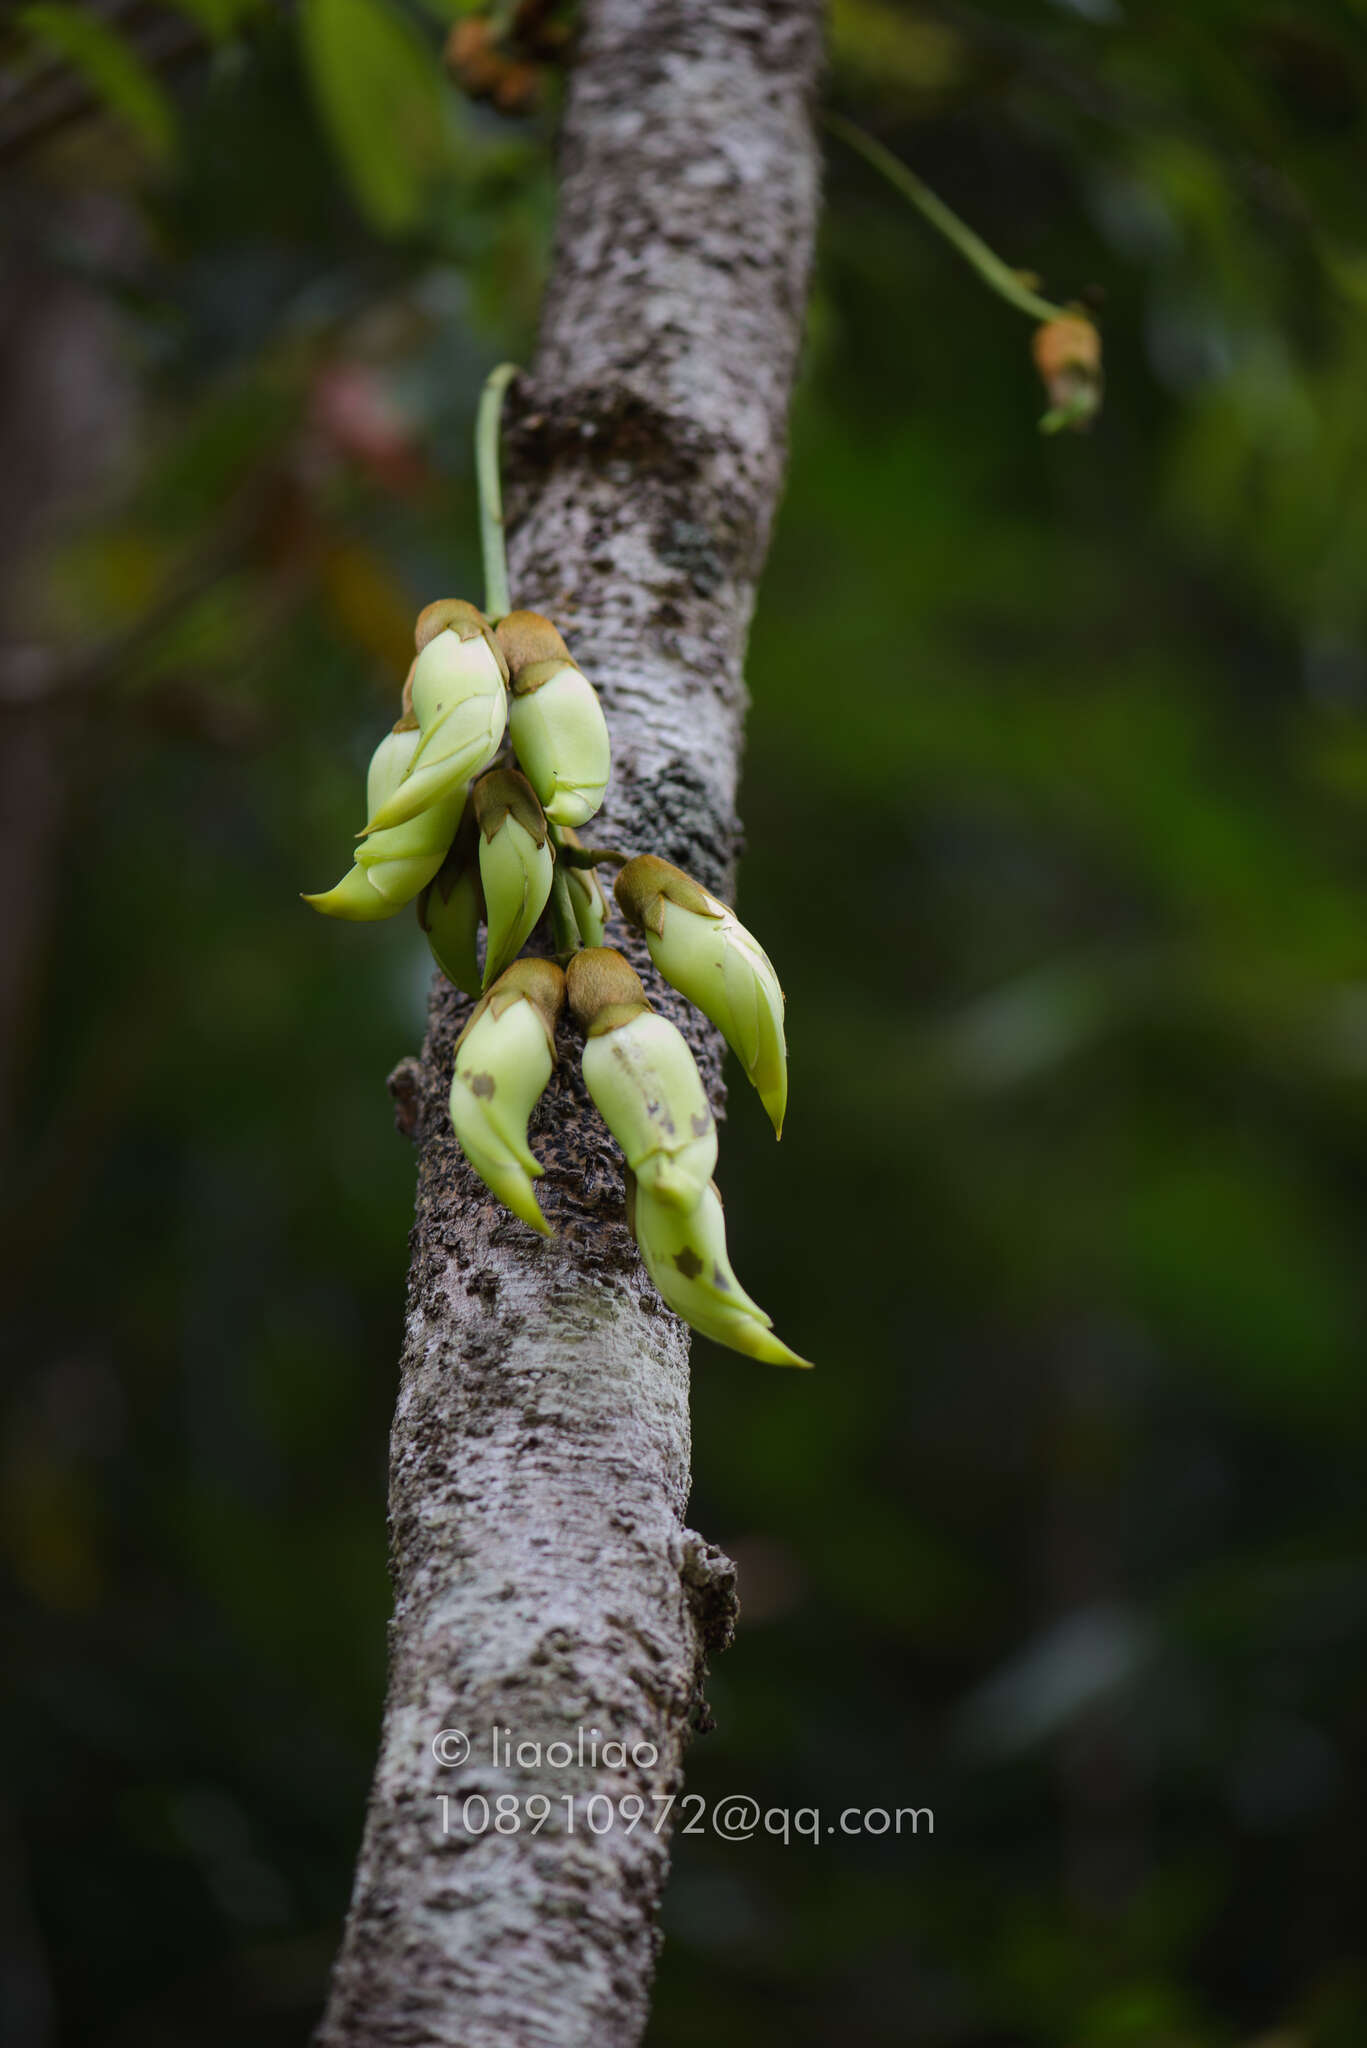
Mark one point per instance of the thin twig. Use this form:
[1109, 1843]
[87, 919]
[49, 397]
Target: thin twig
[998, 276]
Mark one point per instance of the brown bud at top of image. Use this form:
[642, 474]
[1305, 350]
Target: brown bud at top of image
[1067, 354]
[1068, 343]
[489, 66]
[519, 90]
[473, 57]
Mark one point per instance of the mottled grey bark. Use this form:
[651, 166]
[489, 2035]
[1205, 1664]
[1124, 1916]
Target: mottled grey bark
[544, 1579]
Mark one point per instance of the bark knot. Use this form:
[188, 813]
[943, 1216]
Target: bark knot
[709, 1579]
[405, 1088]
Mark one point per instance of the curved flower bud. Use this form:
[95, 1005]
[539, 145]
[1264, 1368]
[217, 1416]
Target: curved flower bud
[456, 690]
[391, 866]
[643, 1079]
[685, 1255]
[516, 862]
[703, 950]
[504, 1058]
[589, 904]
[451, 910]
[1067, 354]
[558, 729]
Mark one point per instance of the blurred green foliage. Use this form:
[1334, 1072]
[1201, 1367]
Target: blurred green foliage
[1056, 800]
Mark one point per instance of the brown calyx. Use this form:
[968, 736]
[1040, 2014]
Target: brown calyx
[604, 990]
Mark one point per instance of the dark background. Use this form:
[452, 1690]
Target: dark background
[1056, 803]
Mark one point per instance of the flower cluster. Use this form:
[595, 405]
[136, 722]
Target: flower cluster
[472, 802]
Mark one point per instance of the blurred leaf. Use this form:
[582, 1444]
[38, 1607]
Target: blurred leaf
[367, 602]
[380, 92]
[881, 42]
[1089, 1656]
[1235, 1260]
[218, 18]
[114, 71]
[1029, 1025]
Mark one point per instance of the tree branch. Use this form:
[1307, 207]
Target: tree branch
[544, 1579]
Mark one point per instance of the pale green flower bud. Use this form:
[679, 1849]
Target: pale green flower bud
[703, 950]
[504, 1058]
[516, 863]
[451, 910]
[685, 1255]
[391, 866]
[589, 904]
[643, 1079]
[456, 689]
[558, 729]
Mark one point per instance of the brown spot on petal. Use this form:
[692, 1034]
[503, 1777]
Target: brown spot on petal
[719, 1278]
[482, 1084]
[701, 1123]
[688, 1262]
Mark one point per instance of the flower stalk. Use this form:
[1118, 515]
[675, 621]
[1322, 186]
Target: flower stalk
[1064, 330]
[489, 484]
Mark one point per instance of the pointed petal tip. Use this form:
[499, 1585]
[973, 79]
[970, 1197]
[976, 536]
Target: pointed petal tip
[520, 1202]
[528, 1209]
[389, 812]
[405, 803]
[352, 899]
[771, 1350]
